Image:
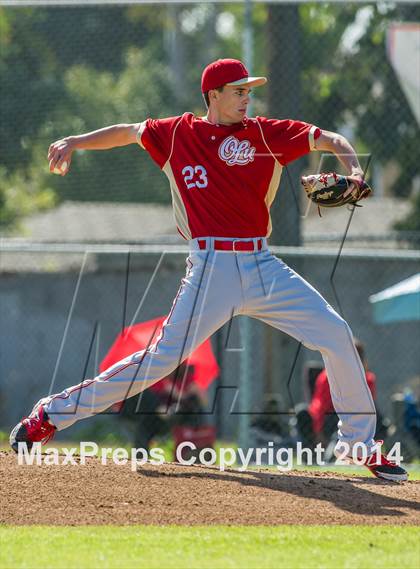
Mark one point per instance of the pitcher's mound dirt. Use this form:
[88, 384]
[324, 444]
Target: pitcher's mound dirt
[174, 494]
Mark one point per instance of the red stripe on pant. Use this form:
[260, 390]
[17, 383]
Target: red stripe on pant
[89, 382]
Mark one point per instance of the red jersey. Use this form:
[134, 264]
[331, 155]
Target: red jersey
[321, 402]
[224, 178]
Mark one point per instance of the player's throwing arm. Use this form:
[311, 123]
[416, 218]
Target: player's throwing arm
[60, 152]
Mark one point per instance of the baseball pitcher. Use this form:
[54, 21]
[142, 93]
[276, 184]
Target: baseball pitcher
[224, 169]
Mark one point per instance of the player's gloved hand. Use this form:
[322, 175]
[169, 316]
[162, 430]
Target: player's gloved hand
[335, 190]
[364, 189]
[59, 156]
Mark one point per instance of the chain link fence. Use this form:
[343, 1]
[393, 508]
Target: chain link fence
[70, 69]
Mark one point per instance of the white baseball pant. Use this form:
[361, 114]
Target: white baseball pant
[217, 286]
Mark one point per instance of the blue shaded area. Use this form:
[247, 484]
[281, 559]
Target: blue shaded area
[397, 309]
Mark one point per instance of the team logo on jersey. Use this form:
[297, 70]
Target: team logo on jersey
[234, 151]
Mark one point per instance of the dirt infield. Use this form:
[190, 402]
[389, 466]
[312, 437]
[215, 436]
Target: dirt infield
[195, 495]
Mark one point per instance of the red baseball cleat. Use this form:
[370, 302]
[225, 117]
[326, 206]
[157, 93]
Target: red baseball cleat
[384, 468]
[32, 429]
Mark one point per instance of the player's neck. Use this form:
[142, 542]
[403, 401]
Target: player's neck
[214, 117]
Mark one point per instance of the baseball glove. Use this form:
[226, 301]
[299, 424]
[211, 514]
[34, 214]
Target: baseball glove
[334, 190]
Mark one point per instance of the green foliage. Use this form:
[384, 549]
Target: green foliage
[354, 84]
[98, 98]
[58, 76]
[412, 221]
[20, 196]
[410, 225]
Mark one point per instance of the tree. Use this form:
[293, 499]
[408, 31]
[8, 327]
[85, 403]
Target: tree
[50, 57]
[356, 86]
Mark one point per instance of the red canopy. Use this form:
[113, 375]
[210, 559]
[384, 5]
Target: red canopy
[137, 337]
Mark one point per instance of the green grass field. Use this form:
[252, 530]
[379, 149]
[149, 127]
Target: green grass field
[210, 547]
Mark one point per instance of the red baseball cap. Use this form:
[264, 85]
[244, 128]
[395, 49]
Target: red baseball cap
[228, 72]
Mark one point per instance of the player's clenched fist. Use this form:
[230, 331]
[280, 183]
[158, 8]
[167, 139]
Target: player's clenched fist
[59, 156]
